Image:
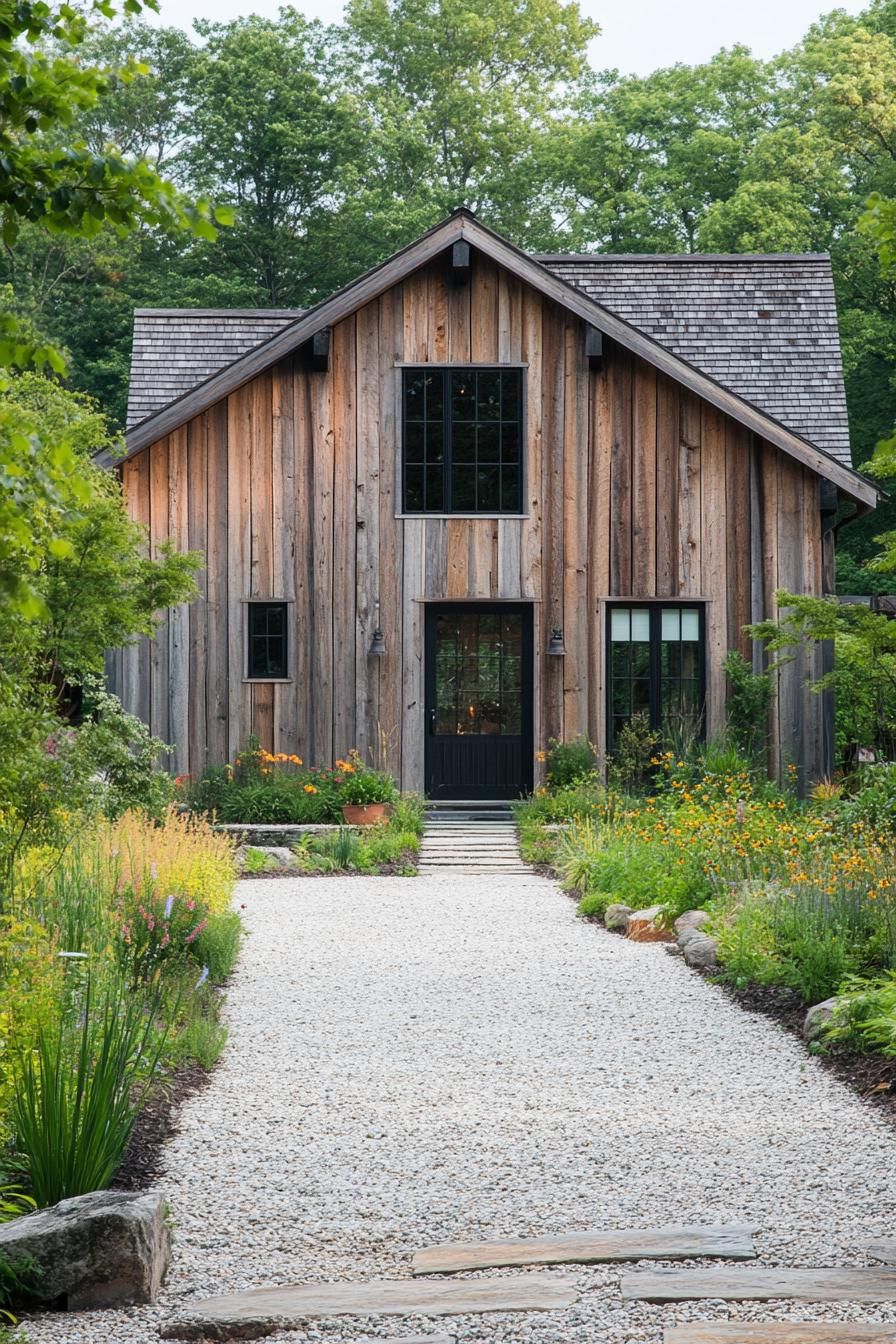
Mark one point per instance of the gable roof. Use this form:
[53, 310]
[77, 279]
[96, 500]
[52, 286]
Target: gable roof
[572, 282]
[763, 326]
[176, 349]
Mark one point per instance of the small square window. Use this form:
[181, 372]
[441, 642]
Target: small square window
[267, 626]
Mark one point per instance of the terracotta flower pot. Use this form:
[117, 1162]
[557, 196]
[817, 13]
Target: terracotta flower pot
[364, 814]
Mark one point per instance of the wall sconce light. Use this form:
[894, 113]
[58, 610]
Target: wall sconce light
[556, 647]
[378, 643]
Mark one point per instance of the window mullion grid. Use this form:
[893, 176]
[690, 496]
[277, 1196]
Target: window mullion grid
[656, 693]
[447, 444]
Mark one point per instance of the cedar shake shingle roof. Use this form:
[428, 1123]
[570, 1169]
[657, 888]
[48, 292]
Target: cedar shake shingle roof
[764, 327]
[176, 349]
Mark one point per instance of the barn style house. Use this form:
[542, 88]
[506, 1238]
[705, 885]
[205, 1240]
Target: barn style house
[479, 499]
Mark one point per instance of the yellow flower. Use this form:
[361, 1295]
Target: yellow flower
[309, 788]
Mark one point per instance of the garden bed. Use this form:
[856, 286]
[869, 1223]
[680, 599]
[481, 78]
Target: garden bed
[799, 906]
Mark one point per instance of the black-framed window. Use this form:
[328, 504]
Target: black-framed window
[267, 658]
[463, 440]
[656, 665]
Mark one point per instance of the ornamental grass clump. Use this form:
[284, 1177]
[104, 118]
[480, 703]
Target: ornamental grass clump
[80, 1086]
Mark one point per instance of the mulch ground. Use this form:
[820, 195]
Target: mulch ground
[156, 1124]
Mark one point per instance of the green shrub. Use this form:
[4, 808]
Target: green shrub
[629, 765]
[582, 799]
[217, 946]
[594, 905]
[749, 701]
[872, 799]
[569, 762]
[409, 813]
[865, 1016]
[201, 1036]
[746, 944]
[816, 963]
[256, 861]
[536, 844]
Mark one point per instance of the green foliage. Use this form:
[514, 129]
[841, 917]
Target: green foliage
[568, 762]
[264, 789]
[629, 763]
[201, 1036]
[61, 187]
[872, 798]
[594, 905]
[255, 860]
[864, 673]
[749, 701]
[864, 1016]
[79, 1089]
[390, 846]
[361, 784]
[14, 1203]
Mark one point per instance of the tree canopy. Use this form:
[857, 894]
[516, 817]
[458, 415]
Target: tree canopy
[333, 146]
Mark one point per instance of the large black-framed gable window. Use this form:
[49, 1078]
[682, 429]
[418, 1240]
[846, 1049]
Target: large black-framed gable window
[267, 658]
[656, 665]
[463, 432]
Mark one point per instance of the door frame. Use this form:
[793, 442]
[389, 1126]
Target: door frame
[437, 606]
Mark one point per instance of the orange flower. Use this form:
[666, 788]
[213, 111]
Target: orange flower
[309, 788]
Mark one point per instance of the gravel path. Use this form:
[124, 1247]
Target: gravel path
[441, 1058]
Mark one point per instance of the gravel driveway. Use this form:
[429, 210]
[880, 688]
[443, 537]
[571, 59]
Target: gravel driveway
[443, 1058]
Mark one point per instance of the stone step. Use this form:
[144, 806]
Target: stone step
[779, 1332]
[883, 1248]
[761, 1285]
[734, 1242]
[261, 1311]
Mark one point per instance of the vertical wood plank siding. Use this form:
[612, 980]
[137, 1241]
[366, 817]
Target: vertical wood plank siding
[291, 489]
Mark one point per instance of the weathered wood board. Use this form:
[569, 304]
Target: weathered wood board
[265, 1310]
[663, 1243]
[741, 1285]
[780, 1332]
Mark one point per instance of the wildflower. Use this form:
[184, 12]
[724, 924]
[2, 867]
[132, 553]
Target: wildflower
[192, 936]
[309, 788]
[203, 977]
[168, 907]
[154, 872]
[73, 956]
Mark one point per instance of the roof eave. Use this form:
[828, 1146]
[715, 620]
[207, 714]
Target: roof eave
[463, 226]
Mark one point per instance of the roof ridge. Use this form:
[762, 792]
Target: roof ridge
[689, 257]
[218, 312]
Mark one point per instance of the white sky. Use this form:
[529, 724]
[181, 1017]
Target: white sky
[637, 35]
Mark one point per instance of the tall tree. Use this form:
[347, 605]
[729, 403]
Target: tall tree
[276, 134]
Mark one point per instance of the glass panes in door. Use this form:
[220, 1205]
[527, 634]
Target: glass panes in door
[478, 670]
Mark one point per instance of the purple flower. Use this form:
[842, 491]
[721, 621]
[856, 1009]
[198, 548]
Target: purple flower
[168, 907]
[203, 977]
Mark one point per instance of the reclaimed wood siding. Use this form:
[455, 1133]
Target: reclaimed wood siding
[290, 488]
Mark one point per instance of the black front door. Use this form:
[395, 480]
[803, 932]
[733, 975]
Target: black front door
[478, 700]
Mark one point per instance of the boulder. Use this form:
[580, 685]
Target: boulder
[687, 935]
[278, 855]
[817, 1018]
[647, 926]
[107, 1249]
[616, 917]
[691, 919]
[700, 951]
